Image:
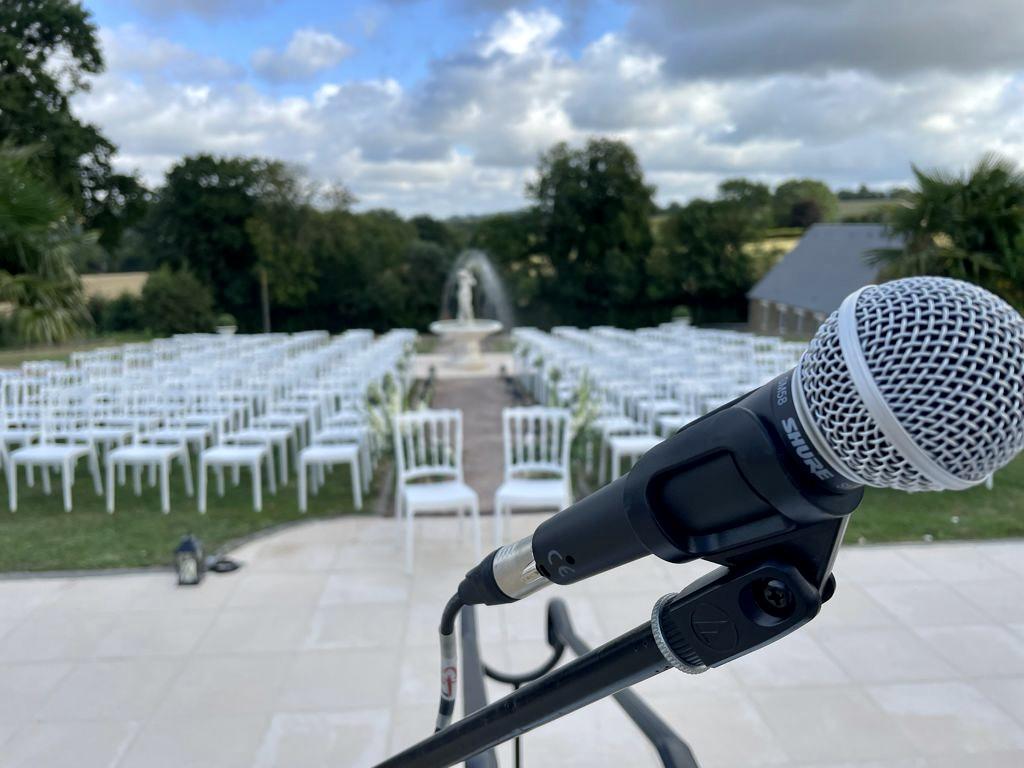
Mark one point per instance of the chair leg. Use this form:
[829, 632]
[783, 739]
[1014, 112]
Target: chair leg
[236, 474]
[110, 486]
[219, 470]
[94, 470]
[202, 486]
[477, 540]
[409, 539]
[186, 465]
[357, 491]
[498, 522]
[151, 475]
[271, 476]
[12, 488]
[45, 472]
[165, 486]
[399, 513]
[283, 461]
[66, 476]
[137, 478]
[257, 486]
[302, 487]
[367, 467]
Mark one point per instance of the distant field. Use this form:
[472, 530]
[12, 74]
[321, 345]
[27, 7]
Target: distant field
[114, 284]
[861, 207]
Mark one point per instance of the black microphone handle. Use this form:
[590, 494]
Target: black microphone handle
[589, 537]
[735, 477]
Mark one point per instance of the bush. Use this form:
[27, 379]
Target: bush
[176, 302]
[117, 315]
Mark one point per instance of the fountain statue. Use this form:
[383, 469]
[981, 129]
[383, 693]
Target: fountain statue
[462, 336]
[466, 284]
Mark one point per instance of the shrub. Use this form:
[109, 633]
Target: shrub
[174, 301]
[117, 315]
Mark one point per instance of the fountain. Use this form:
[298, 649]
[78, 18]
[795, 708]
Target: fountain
[463, 334]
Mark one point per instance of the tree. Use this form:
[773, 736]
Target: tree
[751, 196]
[593, 210]
[430, 230]
[789, 202]
[174, 301]
[200, 221]
[968, 226]
[701, 260]
[39, 242]
[48, 49]
[805, 213]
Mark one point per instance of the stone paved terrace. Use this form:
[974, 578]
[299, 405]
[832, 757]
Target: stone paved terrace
[320, 652]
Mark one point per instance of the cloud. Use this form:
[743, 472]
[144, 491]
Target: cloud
[517, 33]
[128, 49]
[465, 137]
[753, 38]
[308, 53]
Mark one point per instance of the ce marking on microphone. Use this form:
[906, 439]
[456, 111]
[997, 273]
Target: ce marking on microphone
[561, 565]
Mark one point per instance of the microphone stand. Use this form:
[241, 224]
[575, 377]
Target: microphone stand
[754, 599]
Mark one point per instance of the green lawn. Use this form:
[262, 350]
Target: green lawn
[974, 514]
[12, 357]
[41, 536]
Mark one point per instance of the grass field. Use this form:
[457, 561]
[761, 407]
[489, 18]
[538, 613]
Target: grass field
[974, 514]
[41, 536]
[13, 357]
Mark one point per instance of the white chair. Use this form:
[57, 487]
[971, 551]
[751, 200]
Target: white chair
[53, 450]
[159, 455]
[269, 437]
[428, 458]
[236, 457]
[627, 447]
[537, 444]
[313, 459]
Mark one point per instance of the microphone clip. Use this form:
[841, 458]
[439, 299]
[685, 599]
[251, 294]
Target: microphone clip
[731, 612]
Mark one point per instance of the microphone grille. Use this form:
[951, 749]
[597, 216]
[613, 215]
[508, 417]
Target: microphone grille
[935, 395]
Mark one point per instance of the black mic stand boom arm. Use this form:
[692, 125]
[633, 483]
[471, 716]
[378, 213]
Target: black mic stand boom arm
[753, 599]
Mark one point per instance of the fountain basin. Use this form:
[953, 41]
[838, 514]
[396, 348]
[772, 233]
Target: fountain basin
[463, 337]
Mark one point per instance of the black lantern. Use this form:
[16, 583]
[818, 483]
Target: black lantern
[189, 561]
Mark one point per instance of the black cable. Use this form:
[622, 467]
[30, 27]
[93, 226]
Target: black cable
[451, 611]
[527, 677]
[449, 663]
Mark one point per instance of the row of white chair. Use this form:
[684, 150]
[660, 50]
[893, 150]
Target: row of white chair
[232, 402]
[429, 469]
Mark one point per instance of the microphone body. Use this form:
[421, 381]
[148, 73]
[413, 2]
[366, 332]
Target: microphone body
[915, 384]
[739, 475]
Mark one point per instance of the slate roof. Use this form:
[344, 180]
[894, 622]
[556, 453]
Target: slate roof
[829, 263]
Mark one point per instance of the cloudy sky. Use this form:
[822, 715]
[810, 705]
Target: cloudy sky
[442, 106]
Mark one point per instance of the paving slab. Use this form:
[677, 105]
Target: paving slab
[321, 651]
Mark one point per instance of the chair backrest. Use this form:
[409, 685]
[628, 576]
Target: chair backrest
[428, 443]
[537, 441]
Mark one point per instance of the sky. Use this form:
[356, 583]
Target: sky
[443, 106]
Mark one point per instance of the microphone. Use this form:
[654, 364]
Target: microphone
[915, 384]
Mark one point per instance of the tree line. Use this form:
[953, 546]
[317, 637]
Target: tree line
[255, 239]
